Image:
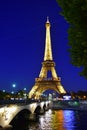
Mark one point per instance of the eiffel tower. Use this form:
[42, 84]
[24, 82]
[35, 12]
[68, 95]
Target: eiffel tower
[44, 83]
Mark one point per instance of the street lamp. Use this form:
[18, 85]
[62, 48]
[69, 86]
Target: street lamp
[13, 89]
[13, 85]
[3, 91]
[25, 95]
[12, 92]
[25, 89]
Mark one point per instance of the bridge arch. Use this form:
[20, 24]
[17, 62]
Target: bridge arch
[12, 112]
[21, 119]
[37, 110]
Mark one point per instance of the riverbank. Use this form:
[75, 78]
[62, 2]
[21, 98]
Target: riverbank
[69, 105]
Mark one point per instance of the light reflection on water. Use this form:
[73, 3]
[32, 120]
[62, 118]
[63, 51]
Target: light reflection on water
[56, 120]
[70, 120]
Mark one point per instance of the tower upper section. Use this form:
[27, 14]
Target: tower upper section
[48, 49]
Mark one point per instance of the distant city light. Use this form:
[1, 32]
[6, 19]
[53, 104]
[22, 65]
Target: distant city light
[66, 97]
[12, 92]
[25, 89]
[3, 90]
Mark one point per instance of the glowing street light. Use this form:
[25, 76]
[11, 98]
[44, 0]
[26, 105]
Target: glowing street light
[25, 89]
[3, 90]
[12, 92]
[13, 85]
[25, 95]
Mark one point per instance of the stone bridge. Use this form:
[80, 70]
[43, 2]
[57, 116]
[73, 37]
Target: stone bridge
[10, 111]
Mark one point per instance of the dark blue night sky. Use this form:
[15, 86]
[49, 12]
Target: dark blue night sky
[22, 42]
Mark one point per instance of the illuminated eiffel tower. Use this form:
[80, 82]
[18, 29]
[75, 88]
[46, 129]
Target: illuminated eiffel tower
[44, 83]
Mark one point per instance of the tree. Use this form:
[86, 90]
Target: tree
[75, 12]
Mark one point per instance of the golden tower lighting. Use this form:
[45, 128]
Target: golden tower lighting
[44, 83]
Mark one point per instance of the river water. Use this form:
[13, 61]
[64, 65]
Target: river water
[58, 120]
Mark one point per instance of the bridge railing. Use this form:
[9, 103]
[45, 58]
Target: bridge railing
[27, 101]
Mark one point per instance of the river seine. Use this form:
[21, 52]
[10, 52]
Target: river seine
[58, 120]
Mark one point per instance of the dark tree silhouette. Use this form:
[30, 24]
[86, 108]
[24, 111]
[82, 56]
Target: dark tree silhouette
[75, 13]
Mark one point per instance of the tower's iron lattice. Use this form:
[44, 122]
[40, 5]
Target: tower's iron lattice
[44, 83]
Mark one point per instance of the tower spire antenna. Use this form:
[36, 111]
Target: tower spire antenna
[48, 49]
[47, 19]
